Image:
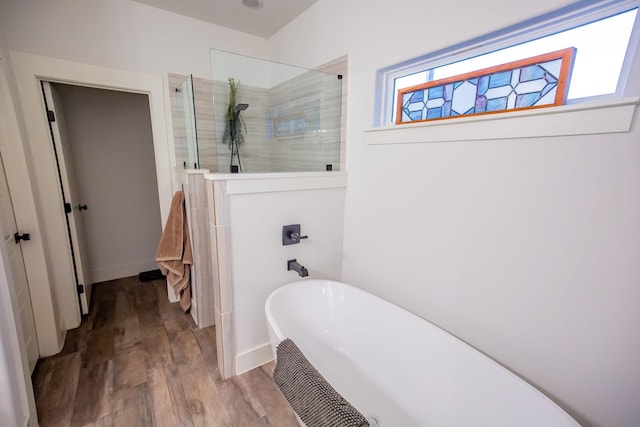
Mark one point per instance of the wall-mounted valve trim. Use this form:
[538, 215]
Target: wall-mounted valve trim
[294, 265]
[291, 234]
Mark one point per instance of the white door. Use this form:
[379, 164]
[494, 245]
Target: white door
[73, 205]
[12, 240]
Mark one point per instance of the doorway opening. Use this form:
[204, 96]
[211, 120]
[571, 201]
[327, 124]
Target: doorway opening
[103, 144]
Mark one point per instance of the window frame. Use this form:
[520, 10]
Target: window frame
[553, 22]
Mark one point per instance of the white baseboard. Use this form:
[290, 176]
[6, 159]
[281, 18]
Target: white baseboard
[253, 358]
[119, 271]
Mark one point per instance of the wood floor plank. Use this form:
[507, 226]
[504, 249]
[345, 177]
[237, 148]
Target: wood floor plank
[186, 352]
[131, 407]
[138, 360]
[168, 404]
[71, 340]
[158, 351]
[206, 338]
[57, 416]
[147, 301]
[60, 385]
[103, 304]
[70, 369]
[99, 345]
[41, 379]
[175, 323]
[126, 327]
[232, 395]
[129, 366]
[203, 399]
[265, 421]
[149, 319]
[146, 295]
[160, 287]
[93, 397]
[102, 422]
[269, 368]
[264, 395]
[127, 331]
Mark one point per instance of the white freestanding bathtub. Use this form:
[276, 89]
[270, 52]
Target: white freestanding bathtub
[398, 369]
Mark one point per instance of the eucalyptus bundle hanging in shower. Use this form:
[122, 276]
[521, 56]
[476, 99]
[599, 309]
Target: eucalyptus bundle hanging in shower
[235, 126]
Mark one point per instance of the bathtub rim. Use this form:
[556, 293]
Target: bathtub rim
[271, 322]
[275, 329]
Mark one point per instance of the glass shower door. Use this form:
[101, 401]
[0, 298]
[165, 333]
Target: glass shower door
[274, 117]
[187, 138]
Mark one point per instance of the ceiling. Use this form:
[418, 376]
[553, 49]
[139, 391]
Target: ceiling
[264, 21]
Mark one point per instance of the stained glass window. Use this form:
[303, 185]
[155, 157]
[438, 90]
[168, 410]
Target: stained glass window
[605, 35]
[539, 81]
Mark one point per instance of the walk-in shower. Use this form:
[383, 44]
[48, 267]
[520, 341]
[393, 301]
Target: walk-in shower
[260, 116]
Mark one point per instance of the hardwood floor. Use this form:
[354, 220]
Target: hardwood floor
[137, 360]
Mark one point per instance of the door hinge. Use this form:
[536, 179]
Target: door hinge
[51, 116]
[80, 289]
[17, 237]
[67, 208]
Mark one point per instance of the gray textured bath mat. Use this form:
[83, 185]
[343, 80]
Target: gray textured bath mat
[309, 394]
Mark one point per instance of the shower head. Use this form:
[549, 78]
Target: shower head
[241, 107]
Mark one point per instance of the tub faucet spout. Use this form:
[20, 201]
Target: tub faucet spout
[294, 265]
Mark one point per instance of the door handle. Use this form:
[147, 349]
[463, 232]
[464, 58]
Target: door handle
[82, 207]
[17, 237]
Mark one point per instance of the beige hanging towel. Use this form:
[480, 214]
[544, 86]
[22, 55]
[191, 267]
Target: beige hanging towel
[174, 255]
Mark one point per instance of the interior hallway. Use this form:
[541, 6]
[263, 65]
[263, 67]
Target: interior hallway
[138, 360]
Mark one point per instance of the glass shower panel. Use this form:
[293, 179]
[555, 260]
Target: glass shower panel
[281, 118]
[186, 140]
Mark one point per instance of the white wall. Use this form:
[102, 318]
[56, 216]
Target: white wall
[260, 259]
[123, 37]
[112, 148]
[17, 407]
[250, 211]
[120, 34]
[38, 266]
[11, 411]
[526, 248]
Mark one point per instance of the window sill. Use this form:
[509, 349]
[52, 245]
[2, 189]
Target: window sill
[610, 116]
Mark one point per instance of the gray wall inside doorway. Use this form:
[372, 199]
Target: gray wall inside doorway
[113, 159]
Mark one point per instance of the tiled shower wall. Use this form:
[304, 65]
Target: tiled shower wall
[314, 97]
[177, 121]
[207, 147]
[254, 118]
[261, 152]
